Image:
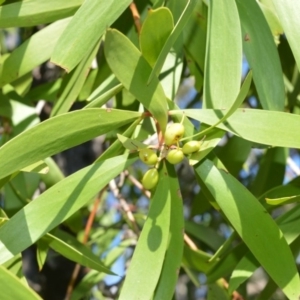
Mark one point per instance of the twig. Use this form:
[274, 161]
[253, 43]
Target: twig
[189, 242]
[114, 188]
[87, 230]
[136, 17]
[235, 294]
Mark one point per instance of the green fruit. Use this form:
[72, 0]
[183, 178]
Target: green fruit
[150, 179]
[148, 156]
[174, 133]
[191, 147]
[175, 156]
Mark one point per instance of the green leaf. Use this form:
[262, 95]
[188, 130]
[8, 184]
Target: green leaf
[255, 226]
[69, 247]
[82, 35]
[206, 234]
[207, 131]
[262, 55]
[133, 73]
[223, 55]
[171, 40]
[103, 98]
[234, 154]
[288, 13]
[152, 244]
[217, 291]
[117, 148]
[54, 175]
[288, 224]
[226, 265]
[42, 248]
[265, 130]
[196, 259]
[56, 204]
[93, 277]
[36, 50]
[38, 167]
[130, 143]
[271, 171]
[57, 134]
[243, 270]
[13, 288]
[210, 141]
[156, 29]
[283, 200]
[73, 83]
[169, 274]
[35, 12]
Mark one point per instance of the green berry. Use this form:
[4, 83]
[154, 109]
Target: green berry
[175, 156]
[148, 156]
[174, 133]
[150, 179]
[191, 147]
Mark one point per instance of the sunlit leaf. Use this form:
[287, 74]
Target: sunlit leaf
[255, 226]
[223, 55]
[82, 35]
[56, 204]
[133, 73]
[57, 134]
[152, 243]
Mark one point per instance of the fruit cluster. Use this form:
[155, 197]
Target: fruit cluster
[174, 154]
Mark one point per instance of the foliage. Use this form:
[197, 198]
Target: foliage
[222, 201]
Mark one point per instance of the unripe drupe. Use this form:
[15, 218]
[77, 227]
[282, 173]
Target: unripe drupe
[191, 147]
[148, 156]
[174, 133]
[175, 156]
[150, 179]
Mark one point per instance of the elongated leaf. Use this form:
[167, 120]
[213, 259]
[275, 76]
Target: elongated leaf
[93, 277]
[171, 39]
[69, 247]
[103, 98]
[234, 106]
[82, 35]
[223, 55]
[133, 73]
[283, 200]
[73, 84]
[12, 287]
[38, 167]
[271, 171]
[210, 141]
[260, 126]
[243, 270]
[217, 291]
[35, 12]
[155, 30]
[197, 259]
[226, 265]
[54, 175]
[234, 154]
[130, 143]
[36, 50]
[255, 226]
[143, 274]
[288, 12]
[205, 234]
[57, 134]
[169, 274]
[56, 205]
[262, 55]
[42, 249]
